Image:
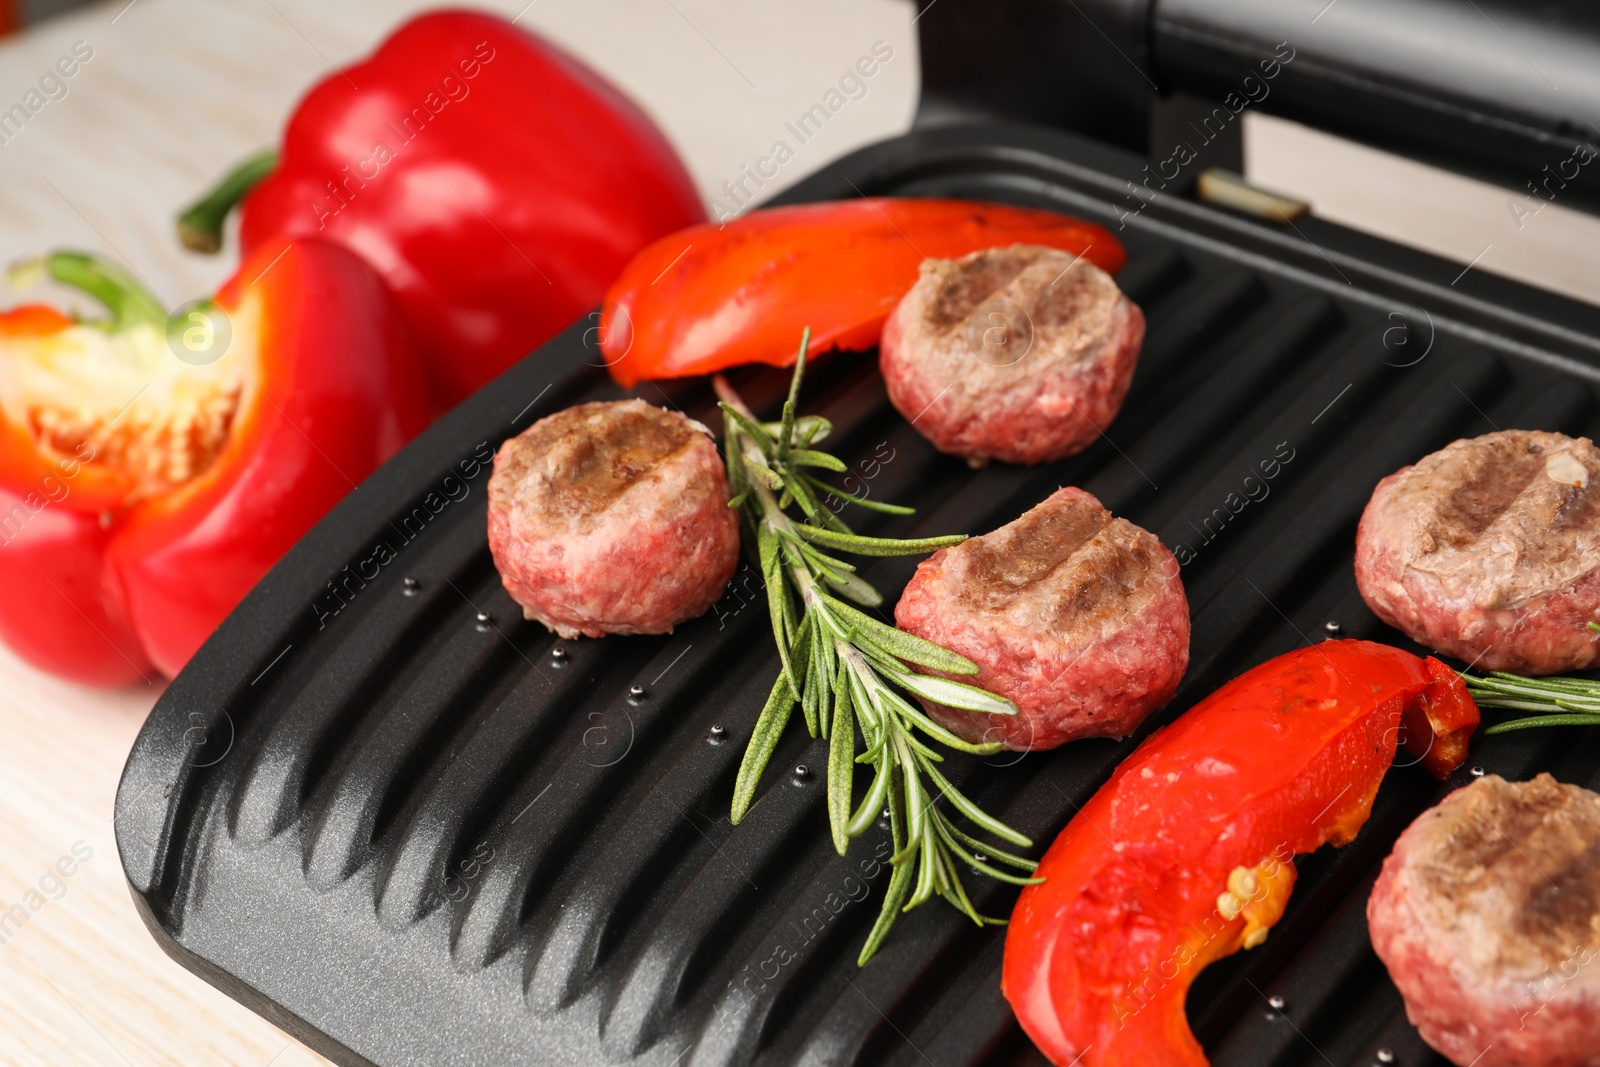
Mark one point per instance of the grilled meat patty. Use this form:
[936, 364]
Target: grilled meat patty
[612, 518]
[1487, 915]
[1022, 354]
[1489, 550]
[1078, 617]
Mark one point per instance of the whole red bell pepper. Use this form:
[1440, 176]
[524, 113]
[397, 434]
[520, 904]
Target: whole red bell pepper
[713, 297]
[1186, 854]
[152, 471]
[496, 183]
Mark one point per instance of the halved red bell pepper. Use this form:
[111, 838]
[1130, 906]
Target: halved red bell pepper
[151, 472]
[496, 183]
[713, 297]
[1186, 854]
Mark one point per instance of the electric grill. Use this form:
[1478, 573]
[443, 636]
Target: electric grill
[410, 828]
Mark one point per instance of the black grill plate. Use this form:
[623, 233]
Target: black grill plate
[410, 837]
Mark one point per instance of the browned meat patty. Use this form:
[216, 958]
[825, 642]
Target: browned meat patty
[1487, 915]
[1022, 354]
[1489, 550]
[612, 518]
[1078, 617]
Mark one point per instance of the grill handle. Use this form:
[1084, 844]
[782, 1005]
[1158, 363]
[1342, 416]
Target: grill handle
[1504, 90]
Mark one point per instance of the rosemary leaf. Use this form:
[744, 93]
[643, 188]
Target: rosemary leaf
[820, 486]
[763, 740]
[956, 694]
[975, 813]
[1564, 719]
[792, 401]
[771, 574]
[957, 846]
[822, 559]
[753, 430]
[944, 736]
[841, 763]
[805, 457]
[856, 589]
[954, 891]
[812, 690]
[808, 430]
[998, 854]
[927, 865]
[872, 803]
[899, 877]
[880, 546]
[902, 645]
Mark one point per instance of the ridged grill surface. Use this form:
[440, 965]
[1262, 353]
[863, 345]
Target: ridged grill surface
[413, 836]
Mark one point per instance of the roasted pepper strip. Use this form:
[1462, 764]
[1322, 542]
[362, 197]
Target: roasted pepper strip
[711, 297]
[152, 472]
[1186, 854]
[1438, 727]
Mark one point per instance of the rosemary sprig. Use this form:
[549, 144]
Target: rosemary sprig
[1554, 701]
[848, 671]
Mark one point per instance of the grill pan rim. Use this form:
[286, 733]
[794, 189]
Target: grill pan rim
[162, 791]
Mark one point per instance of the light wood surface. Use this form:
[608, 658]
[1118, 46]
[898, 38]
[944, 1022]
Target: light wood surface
[176, 91]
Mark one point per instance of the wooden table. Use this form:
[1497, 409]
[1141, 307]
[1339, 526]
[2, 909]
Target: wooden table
[175, 91]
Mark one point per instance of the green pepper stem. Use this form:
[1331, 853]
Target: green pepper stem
[129, 302]
[200, 225]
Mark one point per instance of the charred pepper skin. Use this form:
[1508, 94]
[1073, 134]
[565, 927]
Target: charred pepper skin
[496, 183]
[714, 297]
[332, 389]
[1186, 854]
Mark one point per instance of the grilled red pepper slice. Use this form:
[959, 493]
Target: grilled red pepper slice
[144, 493]
[1185, 855]
[714, 297]
[496, 183]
